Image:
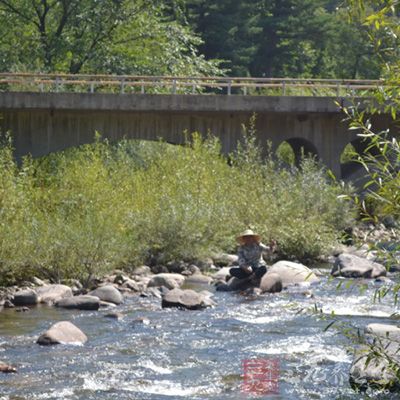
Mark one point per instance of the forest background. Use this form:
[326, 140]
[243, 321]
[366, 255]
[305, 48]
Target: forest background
[285, 38]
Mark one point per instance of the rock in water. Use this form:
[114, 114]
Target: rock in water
[271, 282]
[6, 368]
[235, 284]
[198, 279]
[26, 297]
[52, 293]
[383, 331]
[188, 299]
[169, 280]
[80, 303]
[107, 293]
[114, 315]
[292, 273]
[352, 266]
[221, 274]
[63, 332]
[371, 366]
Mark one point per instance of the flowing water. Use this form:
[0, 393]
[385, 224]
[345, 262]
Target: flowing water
[191, 354]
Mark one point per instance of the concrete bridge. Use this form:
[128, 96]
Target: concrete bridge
[45, 122]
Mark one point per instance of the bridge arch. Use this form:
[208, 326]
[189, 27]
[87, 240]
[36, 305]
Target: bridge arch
[349, 166]
[295, 148]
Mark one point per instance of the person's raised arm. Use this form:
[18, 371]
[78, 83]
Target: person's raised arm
[271, 248]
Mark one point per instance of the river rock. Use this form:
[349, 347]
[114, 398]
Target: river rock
[141, 321]
[224, 259]
[114, 315]
[52, 293]
[169, 280]
[371, 366]
[352, 266]
[132, 285]
[63, 332]
[107, 293]
[292, 273]
[22, 309]
[383, 331]
[27, 297]
[142, 270]
[152, 292]
[221, 274]
[188, 299]
[235, 284]
[8, 304]
[271, 282]
[198, 279]
[38, 282]
[6, 368]
[83, 302]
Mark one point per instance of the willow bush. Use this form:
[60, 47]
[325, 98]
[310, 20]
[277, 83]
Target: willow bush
[86, 211]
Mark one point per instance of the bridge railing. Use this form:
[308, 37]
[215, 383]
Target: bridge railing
[32, 82]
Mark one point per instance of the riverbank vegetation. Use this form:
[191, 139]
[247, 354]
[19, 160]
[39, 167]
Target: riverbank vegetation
[88, 210]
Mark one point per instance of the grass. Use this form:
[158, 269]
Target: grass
[86, 211]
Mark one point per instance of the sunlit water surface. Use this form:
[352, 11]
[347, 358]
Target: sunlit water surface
[191, 354]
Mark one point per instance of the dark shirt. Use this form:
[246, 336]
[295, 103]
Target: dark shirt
[251, 255]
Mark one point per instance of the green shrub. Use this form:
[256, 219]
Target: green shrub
[86, 211]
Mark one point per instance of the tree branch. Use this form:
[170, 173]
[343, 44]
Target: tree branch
[16, 11]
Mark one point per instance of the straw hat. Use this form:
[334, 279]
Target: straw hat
[247, 233]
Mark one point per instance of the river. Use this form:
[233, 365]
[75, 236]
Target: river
[192, 354]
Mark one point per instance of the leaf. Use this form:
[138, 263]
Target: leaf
[329, 326]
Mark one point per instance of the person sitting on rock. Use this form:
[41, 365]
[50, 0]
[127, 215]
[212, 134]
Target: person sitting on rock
[251, 262]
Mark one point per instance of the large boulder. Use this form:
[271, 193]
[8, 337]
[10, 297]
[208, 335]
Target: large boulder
[292, 273]
[352, 266]
[52, 293]
[107, 293]
[271, 282]
[63, 332]
[374, 365]
[83, 302]
[168, 280]
[27, 297]
[188, 299]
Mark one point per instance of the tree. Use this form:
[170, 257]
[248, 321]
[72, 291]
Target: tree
[298, 38]
[227, 28]
[96, 36]
[382, 160]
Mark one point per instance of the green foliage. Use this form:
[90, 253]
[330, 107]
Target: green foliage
[300, 38]
[88, 36]
[349, 154]
[88, 210]
[381, 159]
[285, 153]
